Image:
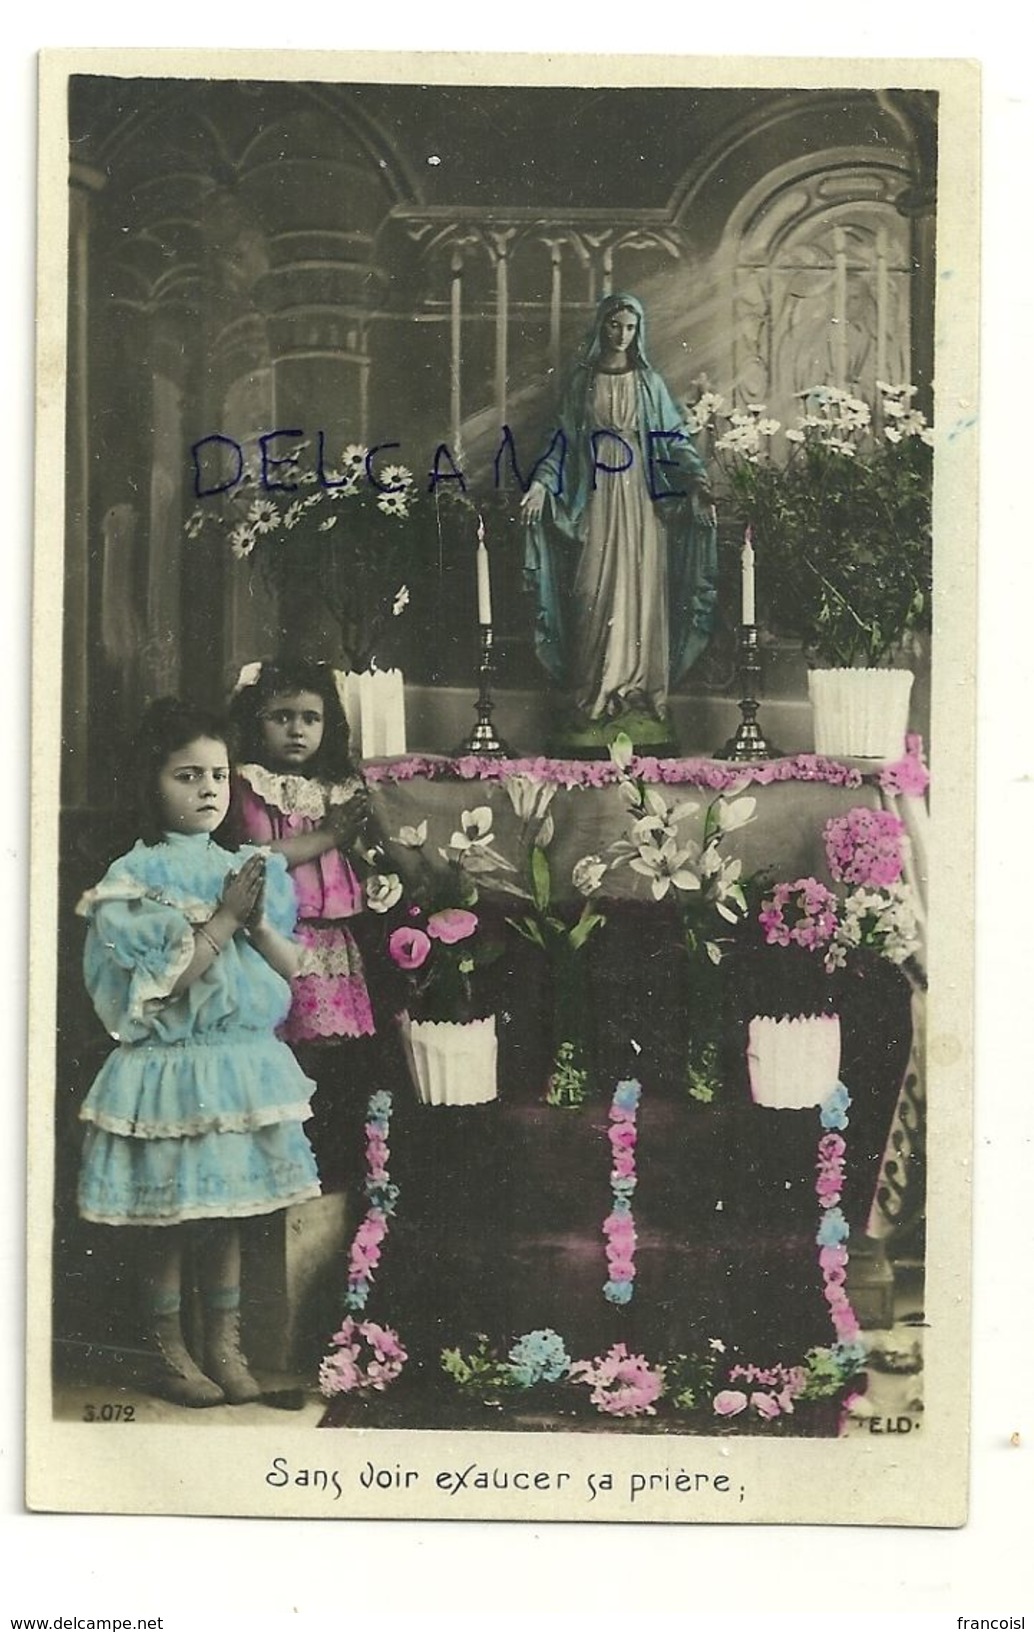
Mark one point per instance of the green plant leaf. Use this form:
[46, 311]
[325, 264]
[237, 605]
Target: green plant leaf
[541, 883]
[581, 931]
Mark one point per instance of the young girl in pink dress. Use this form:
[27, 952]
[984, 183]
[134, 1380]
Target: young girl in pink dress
[297, 791]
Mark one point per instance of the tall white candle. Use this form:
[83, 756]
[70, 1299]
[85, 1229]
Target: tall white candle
[747, 578]
[484, 578]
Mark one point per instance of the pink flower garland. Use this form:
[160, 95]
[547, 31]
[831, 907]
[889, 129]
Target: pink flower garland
[772, 1390]
[909, 776]
[343, 1371]
[813, 915]
[365, 1253]
[713, 775]
[619, 1225]
[832, 1237]
[623, 1384]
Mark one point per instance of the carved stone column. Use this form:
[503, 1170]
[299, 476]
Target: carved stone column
[456, 351]
[500, 245]
[84, 181]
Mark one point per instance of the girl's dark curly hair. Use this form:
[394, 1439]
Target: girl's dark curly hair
[332, 761]
[167, 726]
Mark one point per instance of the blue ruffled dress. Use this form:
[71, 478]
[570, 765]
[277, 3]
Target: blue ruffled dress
[198, 1112]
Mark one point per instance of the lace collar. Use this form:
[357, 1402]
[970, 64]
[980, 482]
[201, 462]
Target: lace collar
[296, 795]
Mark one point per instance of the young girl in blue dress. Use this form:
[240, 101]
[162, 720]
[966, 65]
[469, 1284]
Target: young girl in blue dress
[195, 1120]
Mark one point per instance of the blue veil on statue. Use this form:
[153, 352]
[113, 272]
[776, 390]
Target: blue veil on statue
[621, 546]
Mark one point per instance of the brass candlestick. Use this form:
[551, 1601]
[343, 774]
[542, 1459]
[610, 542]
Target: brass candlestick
[484, 738]
[749, 741]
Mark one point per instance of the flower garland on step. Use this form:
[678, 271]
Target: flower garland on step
[365, 1356]
[381, 1196]
[619, 1225]
[772, 1390]
[834, 1229]
[622, 1384]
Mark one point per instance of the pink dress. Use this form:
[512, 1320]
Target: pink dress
[330, 998]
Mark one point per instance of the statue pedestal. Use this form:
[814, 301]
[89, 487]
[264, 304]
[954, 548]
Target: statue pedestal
[574, 737]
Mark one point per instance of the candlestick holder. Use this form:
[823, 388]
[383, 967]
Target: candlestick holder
[749, 741]
[484, 738]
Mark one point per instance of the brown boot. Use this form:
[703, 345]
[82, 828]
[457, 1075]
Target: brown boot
[223, 1358]
[178, 1378]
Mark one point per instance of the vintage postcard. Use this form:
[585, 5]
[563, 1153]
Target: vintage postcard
[503, 708]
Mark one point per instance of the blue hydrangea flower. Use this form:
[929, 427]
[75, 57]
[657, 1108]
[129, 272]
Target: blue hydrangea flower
[380, 1105]
[833, 1229]
[833, 1113]
[539, 1357]
[849, 1355]
[383, 1196]
[618, 1291]
[626, 1094]
[622, 1187]
[357, 1294]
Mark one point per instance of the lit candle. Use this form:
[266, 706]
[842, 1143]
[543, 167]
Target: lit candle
[747, 577]
[484, 580]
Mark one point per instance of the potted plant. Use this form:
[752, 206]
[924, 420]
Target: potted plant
[839, 507]
[337, 544]
[559, 933]
[708, 888]
[436, 939]
[838, 978]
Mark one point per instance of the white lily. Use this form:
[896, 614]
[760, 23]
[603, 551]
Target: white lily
[665, 865]
[651, 830]
[684, 808]
[414, 838]
[475, 828]
[733, 813]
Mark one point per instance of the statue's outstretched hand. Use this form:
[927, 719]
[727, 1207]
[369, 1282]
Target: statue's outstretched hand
[533, 502]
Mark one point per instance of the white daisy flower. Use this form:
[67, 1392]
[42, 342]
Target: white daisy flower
[393, 504]
[263, 516]
[353, 458]
[242, 540]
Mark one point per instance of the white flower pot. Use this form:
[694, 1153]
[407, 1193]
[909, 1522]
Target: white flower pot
[451, 1063]
[374, 704]
[860, 713]
[793, 1062]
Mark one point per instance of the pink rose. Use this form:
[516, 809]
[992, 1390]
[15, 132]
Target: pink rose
[730, 1402]
[409, 948]
[766, 1405]
[451, 924]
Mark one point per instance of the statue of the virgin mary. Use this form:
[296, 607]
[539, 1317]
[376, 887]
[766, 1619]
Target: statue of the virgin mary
[620, 540]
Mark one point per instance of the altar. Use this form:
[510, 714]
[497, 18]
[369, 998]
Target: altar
[498, 1225]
